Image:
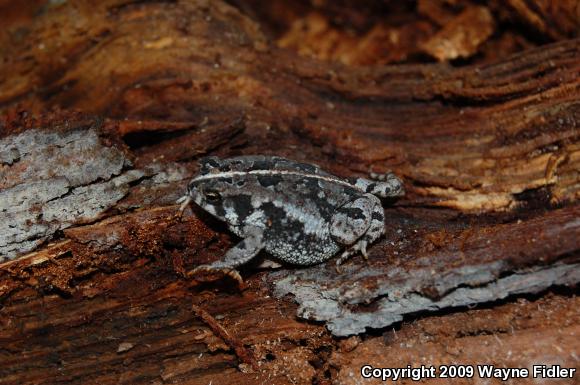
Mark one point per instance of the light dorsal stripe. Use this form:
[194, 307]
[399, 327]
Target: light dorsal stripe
[230, 174]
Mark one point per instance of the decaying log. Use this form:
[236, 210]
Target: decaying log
[94, 259]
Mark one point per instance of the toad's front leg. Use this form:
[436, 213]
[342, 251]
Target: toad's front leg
[238, 255]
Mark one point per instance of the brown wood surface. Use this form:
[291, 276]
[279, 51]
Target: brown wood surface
[107, 106]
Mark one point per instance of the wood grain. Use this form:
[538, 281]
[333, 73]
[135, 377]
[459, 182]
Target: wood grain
[107, 107]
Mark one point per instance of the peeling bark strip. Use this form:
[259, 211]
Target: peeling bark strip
[52, 180]
[400, 300]
[505, 336]
[486, 267]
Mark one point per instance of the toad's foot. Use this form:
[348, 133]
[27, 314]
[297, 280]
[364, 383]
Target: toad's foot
[359, 246]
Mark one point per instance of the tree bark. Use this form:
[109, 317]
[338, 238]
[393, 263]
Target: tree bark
[108, 107]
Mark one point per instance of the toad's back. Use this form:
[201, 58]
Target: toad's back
[293, 210]
[258, 163]
[293, 202]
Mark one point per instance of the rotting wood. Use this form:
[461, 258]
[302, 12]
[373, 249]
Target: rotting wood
[489, 154]
[485, 134]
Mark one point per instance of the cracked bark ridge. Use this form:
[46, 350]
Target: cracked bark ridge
[555, 20]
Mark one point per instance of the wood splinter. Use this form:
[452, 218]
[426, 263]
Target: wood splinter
[245, 355]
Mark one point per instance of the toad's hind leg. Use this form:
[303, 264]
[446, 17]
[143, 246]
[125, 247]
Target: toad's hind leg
[358, 224]
[351, 220]
[241, 253]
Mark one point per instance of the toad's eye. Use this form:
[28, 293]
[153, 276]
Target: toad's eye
[213, 196]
